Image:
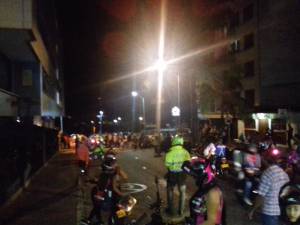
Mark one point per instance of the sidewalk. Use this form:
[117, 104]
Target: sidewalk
[51, 197]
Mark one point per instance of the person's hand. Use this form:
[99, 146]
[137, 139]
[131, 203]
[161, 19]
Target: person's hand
[250, 214]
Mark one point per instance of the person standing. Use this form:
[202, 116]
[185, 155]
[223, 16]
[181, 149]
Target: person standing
[272, 180]
[83, 154]
[174, 160]
[290, 134]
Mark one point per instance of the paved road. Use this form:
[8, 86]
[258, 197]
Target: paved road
[142, 167]
[54, 197]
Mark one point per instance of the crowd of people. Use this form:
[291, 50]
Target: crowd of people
[277, 194]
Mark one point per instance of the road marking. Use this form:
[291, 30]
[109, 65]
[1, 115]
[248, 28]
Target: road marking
[130, 188]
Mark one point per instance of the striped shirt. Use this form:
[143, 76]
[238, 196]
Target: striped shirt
[271, 182]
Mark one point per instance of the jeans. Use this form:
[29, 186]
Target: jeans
[170, 197]
[247, 188]
[269, 220]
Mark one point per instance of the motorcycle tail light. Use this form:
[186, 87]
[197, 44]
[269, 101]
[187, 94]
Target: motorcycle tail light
[275, 152]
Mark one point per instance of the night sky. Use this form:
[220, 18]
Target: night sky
[105, 39]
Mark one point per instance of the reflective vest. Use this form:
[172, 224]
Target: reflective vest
[175, 158]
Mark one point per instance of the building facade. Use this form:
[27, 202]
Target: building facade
[31, 79]
[263, 44]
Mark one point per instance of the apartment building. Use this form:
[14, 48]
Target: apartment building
[263, 45]
[31, 79]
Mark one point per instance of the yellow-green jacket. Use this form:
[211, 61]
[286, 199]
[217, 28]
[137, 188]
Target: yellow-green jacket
[176, 156]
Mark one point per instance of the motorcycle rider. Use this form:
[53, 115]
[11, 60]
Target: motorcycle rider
[251, 164]
[220, 154]
[106, 194]
[210, 154]
[207, 204]
[83, 154]
[174, 160]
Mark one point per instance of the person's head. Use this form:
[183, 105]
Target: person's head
[252, 148]
[84, 139]
[220, 142]
[271, 157]
[201, 170]
[177, 141]
[109, 163]
[291, 203]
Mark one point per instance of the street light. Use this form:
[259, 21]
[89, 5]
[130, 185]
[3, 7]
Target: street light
[141, 118]
[100, 117]
[160, 65]
[115, 121]
[136, 94]
[119, 118]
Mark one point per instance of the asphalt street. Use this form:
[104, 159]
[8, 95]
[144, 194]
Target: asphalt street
[142, 167]
[55, 195]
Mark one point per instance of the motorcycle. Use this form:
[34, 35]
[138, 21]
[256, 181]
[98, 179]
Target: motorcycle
[122, 214]
[224, 167]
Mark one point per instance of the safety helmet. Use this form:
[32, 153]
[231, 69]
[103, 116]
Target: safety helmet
[252, 148]
[177, 140]
[109, 162]
[289, 195]
[201, 170]
[273, 156]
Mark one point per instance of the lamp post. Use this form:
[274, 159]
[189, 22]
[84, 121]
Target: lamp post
[100, 117]
[136, 94]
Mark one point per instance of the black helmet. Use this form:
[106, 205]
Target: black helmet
[290, 194]
[252, 148]
[109, 162]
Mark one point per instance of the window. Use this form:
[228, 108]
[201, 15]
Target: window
[235, 46]
[249, 123]
[278, 124]
[249, 98]
[249, 69]
[235, 20]
[248, 41]
[248, 13]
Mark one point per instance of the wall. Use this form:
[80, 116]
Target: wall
[16, 14]
[280, 49]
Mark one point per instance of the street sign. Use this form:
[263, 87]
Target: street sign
[175, 111]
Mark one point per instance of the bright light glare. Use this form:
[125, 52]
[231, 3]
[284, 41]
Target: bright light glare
[134, 94]
[119, 118]
[160, 65]
[101, 113]
[115, 121]
[92, 122]
[141, 118]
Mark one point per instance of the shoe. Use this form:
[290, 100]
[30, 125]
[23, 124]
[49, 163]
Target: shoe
[247, 201]
[85, 222]
[239, 191]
